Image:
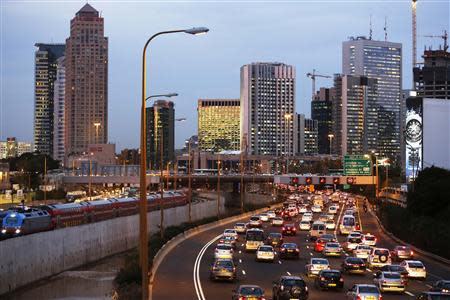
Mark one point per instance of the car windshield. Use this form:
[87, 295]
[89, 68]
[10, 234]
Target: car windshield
[255, 236]
[369, 238]
[354, 240]
[333, 274]
[319, 262]
[265, 248]
[332, 245]
[254, 219]
[230, 231]
[251, 291]
[224, 264]
[223, 247]
[354, 260]
[294, 282]
[402, 248]
[446, 285]
[275, 235]
[363, 247]
[392, 275]
[330, 222]
[11, 221]
[348, 222]
[368, 289]
[395, 268]
[240, 224]
[304, 222]
[415, 265]
[289, 246]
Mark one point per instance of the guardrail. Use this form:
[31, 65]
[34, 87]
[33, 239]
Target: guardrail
[394, 196]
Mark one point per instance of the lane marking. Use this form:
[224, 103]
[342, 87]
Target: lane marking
[242, 245]
[310, 253]
[369, 270]
[240, 261]
[243, 272]
[359, 215]
[196, 272]
[410, 294]
[428, 285]
[279, 262]
[240, 252]
[288, 273]
[307, 247]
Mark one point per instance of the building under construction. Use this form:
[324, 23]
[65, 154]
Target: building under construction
[432, 80]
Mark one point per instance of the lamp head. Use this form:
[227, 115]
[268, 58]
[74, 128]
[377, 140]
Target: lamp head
[197, 30]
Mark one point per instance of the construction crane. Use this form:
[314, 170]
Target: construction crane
[414, 34]
[313, 76]
[443, 36]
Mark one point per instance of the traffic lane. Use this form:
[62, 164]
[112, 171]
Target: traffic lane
[435, 270]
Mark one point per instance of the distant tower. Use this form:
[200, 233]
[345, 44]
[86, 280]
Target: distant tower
[86, 104]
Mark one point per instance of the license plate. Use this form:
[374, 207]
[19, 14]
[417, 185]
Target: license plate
[332, 284]
[370, 297]
[290, 250]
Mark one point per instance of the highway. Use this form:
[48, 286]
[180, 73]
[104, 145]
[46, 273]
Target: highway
[184, 273]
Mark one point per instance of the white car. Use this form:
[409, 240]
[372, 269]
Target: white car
[305, 225]
[332, 249]
[265, 253]
[264, 217]
[302, 209]
[231, 232]
[379, 257]
[330, 224]
[255, 221]
[415, 268]
[351, 243]
[223, 251]
[316, 265]
[277, 221]
[316, 208]
[362, 251]
[240, 227]
[369, 240]
[271, 214]
[333, 210]
[355, 234]
[307, 217]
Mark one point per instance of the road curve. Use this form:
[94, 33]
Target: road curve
[184, 273]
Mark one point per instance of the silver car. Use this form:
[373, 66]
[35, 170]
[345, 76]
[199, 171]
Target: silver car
[389, 281]
[364, 292]
[332, 249]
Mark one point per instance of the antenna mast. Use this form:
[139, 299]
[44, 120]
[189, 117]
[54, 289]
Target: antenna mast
[370, 30]
[385, 29]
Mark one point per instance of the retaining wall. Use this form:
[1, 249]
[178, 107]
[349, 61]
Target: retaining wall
[26, 259]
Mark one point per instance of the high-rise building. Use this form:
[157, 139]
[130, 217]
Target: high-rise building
[300, 133]
[307, 135]
[355, 113]
[160, 133]
[381, 60]
[45, 60]
[58, 112]
[13, 148]
[218, 124]
[321, 111]
[86, 92]
[432, 80]
[267, 108]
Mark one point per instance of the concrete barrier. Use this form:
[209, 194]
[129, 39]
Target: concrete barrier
[29, 258]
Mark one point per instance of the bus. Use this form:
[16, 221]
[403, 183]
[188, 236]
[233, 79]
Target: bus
[253, 239]
[348, 224]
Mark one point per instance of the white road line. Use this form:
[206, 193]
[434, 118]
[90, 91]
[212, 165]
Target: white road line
[240, 261]
[288, 273]
[279, 262]
[409, 293]
[369, 270]
[428, 285]
[307, 247]
[242, 245]
[243, 272]
[310, 253]
[196, 273]
[240, 251]
[346, 254]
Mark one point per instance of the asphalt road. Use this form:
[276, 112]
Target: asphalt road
[175, 277]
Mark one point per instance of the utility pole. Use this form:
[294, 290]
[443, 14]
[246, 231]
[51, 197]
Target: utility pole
[189, 180]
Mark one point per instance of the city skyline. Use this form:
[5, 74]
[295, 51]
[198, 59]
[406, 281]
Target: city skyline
[246, 44]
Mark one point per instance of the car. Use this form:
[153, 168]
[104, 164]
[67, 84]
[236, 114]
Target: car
[369, 240]
[389, 282]
[305, 225]
[274, 239]
[320, 244]
[292, 211]
[332, 249]
[353, 265]
[265, 253]
[356, 234]
[289, 229]
[240, 228]
[415, 269]
[362, 251]
[323, 218]
[364, 292]
[255, 221]
[442, 286]
[277, 221]
[228, 240]
[329, 279]
[289, 287]
[317, 229]
[329, 236]
[400, 253]
[433, 296]
[223, 269]
[316, 209]
[307, 216]
[379, 257]
[231, 232]
[289, 250]
[330, 224]
[248, 291]
[271, 214]
[349, 212]
[264, 217]
[316, 265]
[302, 209]
[333, 209]
[398, 269]
[223, 251]
[351, 243]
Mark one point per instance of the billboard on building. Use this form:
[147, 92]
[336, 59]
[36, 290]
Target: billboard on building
[413, 136]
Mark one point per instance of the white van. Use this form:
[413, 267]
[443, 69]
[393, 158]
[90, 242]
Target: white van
[348, 224]
[317, 229]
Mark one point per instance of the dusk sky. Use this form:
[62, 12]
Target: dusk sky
[306, 34]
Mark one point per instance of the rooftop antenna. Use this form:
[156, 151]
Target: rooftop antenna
[385, 29]
[370, 25]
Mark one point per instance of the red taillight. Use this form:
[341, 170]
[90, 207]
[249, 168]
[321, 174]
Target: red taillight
[358, 297]
[242, 298]
[282, 228]
[412, 253]
[341, 279]
[293, 229]
[380, 298]
[283, 249]
[296, 250]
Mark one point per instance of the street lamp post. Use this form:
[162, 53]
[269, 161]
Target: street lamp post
[97, 125]
[189, 180]
[330, 137]
[143, 234]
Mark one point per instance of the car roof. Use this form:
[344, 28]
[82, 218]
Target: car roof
[249, 286]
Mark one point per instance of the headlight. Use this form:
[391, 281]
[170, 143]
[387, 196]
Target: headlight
[3, 230]
[17, 231]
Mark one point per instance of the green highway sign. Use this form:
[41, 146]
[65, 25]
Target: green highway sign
[357, 165]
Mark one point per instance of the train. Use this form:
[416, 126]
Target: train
[27, 220]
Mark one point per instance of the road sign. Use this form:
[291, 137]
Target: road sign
[356, 165]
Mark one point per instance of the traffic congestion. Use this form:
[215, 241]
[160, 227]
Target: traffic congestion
[315, 247]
